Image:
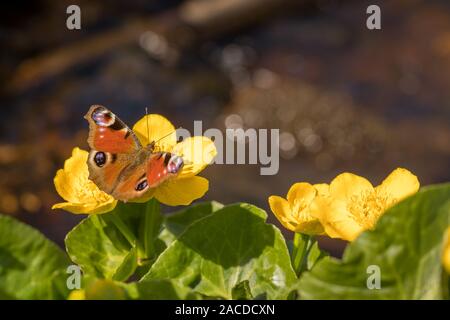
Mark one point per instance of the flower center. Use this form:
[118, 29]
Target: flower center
[90, 191]
[366, 208]
[299, 210]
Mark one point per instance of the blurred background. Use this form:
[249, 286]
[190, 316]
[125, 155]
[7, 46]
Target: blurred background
[345, 98]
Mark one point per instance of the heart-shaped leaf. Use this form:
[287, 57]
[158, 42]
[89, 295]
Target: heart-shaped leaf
[222, 250]
[31, 266]
[102, 249]
[176, 223]
[99, 247]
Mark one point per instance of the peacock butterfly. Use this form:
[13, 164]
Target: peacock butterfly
[118, 164]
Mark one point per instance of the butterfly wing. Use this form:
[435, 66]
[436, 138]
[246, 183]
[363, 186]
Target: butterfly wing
[148, 171]
[115, 153]
[108, 133]
[118, 164]
[132, 180]
[161, 166]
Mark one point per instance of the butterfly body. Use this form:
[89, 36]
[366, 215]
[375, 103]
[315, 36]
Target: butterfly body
[118, 164]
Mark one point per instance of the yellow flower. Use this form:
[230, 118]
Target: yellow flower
[77, 295]
[446, 255]
[294, 212]
[81, 194]
[197, 152]
[354, 205]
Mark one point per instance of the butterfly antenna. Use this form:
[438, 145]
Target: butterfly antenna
[148, 127]
[167, 135]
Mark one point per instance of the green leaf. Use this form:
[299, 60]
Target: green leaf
[164, 289]
[104, 289]
[31, 266]
[315, 255]
[221, 250]
[406, 246]
[176, 223]
[242, 291]
[98, 247]
[101, 248]
[128, 266]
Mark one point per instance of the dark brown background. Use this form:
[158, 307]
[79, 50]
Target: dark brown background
[345, 98]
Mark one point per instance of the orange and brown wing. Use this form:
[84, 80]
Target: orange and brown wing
[161, 166]
[118, 164]
[123, 175]
[108, 133]
[133, 185]
[114, 151]
[106, 168]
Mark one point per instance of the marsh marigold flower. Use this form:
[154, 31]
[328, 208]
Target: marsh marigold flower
[294, 212]
[197, 152]
[354, 205]
[83, 196]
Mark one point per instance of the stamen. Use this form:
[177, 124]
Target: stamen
[367, 207]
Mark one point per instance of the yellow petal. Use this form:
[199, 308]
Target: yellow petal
[347, 185]
[282, 211]
[64, 186]
[400, 184]
[446, 254]
[335, 219]
[75, 171]
[323, 189]
[87, 208]
[181, 191]
[77, 295]
[341, 224]
[303, 191]
[157, 128]
[197, 153]
[73, 185]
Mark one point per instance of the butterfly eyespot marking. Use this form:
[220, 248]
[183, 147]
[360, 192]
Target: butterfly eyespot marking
[142, 185]
[175, 164]
[103, 117]
[100, 159]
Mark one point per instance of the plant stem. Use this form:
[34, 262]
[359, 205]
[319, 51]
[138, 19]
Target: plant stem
[152, 223]
[126, 232]
[302, 246]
